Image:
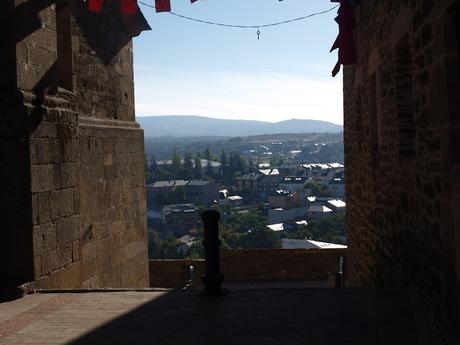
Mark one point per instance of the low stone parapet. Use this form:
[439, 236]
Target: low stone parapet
[252, 265]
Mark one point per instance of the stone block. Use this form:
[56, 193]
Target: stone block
[42, 178]
[89, 251]
[37, 266]
[44, 238]
[65, 175]
[61, 203]
[49, 262]
[71, 150]
[68, 229]
[35, 214]
[76, 250]
[108, 159]
[44, 207]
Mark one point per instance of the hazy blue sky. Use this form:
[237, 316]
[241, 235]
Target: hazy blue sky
[187, 68]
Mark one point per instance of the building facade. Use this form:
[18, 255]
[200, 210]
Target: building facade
[195, 191]
[72, 155]
[402, 144]
[181, 218]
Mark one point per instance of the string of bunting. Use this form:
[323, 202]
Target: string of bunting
[345, 19]
[130, 7]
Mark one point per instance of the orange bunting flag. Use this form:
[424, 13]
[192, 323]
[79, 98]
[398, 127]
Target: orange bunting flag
[129, 6]
[163, 5]
[95, 5]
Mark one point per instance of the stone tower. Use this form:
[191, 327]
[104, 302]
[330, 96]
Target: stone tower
[72, 195]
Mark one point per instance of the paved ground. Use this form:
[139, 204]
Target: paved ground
[255, 316]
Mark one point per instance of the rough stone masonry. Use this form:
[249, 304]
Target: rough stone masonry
[72, 197]
[402, 148]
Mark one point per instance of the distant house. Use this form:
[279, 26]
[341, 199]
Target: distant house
[293, 183]
[283, 199]
[201, 192]
[324, 173]
[180, 218]
[195, 191]
[186, 242]
[269, 182]
[287, 226]
[223, 193]
[311, 199]
[262, 182]
[264, 165]
[337, 205]
[215, 166]
[233, 201]
[276, 227]
[279, 215]
[248, 182]
[336, 187]
[309, 244]
[318, 211]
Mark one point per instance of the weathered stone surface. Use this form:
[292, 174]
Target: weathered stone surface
[252, 265]
[62, 169]
[400, 178]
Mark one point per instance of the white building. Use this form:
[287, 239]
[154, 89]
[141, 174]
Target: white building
[288, 243]
[234, 200]
[337, 205]
[318, 211]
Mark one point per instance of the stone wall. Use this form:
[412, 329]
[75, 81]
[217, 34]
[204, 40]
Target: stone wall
[253, 265]
[72, 153]
[401, 146]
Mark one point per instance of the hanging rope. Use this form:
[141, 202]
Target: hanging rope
[240, 26]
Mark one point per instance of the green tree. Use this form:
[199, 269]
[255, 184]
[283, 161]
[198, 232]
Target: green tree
[261, 238]
[223, 161]
[176, 195]
[328, 229]
[148, 173]
[176, 161]
[207, 154]
[209, 170]
[162, 249]
[316, 189]
[198, 169]
[188, 163]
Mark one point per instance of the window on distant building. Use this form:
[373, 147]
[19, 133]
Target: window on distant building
[64, 45]
[404, 99]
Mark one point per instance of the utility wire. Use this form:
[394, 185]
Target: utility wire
[245, 26]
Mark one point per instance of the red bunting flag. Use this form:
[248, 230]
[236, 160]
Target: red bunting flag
[345, 41]
[95, 5]
[192, 1]
[129, 6]
[163, 5]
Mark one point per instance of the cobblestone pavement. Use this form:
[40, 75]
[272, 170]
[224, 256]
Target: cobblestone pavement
[258, 316]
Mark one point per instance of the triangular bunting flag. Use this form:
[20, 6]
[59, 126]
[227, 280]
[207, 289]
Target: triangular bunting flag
[192, 1]
[129, 6]
[95, 5]
[163, 5]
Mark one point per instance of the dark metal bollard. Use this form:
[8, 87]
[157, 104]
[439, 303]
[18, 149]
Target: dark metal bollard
[212, 279]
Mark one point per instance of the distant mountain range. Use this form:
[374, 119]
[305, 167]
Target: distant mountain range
[197, 126]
